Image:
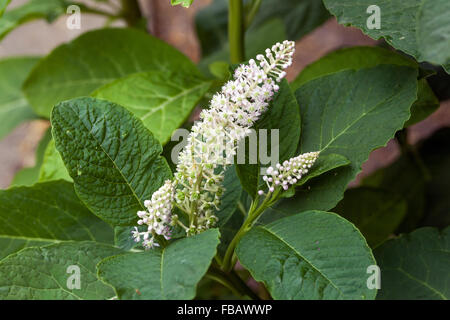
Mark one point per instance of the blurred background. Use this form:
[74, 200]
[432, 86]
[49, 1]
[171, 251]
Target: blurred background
[176, 26]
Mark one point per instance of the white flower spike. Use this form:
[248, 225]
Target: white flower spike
[197, 187]
[290, 172]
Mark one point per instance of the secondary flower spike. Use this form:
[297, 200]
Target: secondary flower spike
[197, 186]
[290, 172]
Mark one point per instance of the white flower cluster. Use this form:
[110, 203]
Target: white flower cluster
[290, 172]
[158, 218]
[197, 187]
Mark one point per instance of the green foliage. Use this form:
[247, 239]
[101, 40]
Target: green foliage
[376, 212]
[46, 212]
[184, 3]
[169, 273]
[33, 9]
[52, 167]
[349, 113]
[3, 5]
[162, 100]
[409, 26]
[29, 176]
[14, 108]
[95, 59]
[310, 255]
[40, 273]
[115, 96]
[356, 58]
[415, 266]
[102, 145]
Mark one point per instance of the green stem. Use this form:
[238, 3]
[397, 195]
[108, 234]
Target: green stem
[253, 214]
[236, 31]
[131, 12]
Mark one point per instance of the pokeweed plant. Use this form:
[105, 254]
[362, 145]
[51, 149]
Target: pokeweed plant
[116, 209]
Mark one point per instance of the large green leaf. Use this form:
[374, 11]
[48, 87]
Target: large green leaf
[311, 255]
[349, 113]
[53, 167]
[113, 159]
[415, 266]
[14, 108]
[30, 175]
[33, 9]
[43, 273]
[162, 100]
[95, 59]
[417, 27]
[169, 273]
[46, 212]
[356, 58]
[283, 115]
[376, 212]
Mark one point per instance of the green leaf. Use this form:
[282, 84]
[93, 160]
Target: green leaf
[356, 58]
[322, 165]
[417, 27]
[169, 273]
[44, 213]
[3, 5]
[53, 167]
[162, 100]
[14, 108]
[426, 103]
[310, 255]
[283, 115]
[113, 159]
[33, 9]
[349, 113]
[376, 212]
[184, 3]
[29, 176]
[230, 197]
[43, 274]
[404, 178]
[95, 59]
[415, 266]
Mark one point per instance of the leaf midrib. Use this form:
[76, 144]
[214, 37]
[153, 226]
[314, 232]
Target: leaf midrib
[104, 151]
[301, 256]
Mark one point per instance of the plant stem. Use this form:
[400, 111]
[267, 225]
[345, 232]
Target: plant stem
[253, 214]
[131, 12]
[236, 30]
